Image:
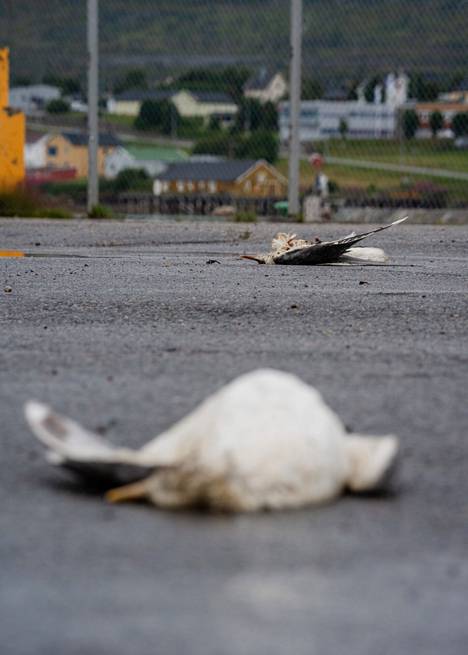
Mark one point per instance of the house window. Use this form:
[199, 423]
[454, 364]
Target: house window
[190, 186]
[201, 185]
[52, 151]
[180, 186]
[212, 186]
[261, 177]
[165, 186]
[248, 185]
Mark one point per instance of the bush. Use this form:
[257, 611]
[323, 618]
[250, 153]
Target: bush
[58, 106]
[410, 123]
[260, 145]
[135, 179]
[216, 144]
[29, 204]
[100, 211]
[161, 116]
[245, 217]
[460, 124]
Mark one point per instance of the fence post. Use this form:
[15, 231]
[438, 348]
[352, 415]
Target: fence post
[93, 97]
[294, 106]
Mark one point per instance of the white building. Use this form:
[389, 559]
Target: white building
[35, 150]
[30, 99]
[266, 87]
[321, 119]
[189, 104]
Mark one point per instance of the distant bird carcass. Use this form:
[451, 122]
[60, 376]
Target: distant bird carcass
[288, 249]
[265, 441]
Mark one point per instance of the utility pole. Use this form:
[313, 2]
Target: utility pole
[93, 98]
[294, 106]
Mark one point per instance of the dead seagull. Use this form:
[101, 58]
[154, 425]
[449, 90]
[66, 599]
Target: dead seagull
[267, 440]
[288, 249]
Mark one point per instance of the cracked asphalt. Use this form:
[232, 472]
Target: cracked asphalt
[124, 326]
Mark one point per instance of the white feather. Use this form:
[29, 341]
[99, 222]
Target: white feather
[265, 441]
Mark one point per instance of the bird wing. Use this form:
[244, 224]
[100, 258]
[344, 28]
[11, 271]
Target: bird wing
[327, 251]
[73, 447]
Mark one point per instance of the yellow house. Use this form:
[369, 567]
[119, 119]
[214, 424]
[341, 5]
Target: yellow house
[69, 150]
[12, 132]
[240, 178]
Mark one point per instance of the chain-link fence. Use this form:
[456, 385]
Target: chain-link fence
[190, 89]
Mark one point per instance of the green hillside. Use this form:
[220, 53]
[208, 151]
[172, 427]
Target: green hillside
[341, 38]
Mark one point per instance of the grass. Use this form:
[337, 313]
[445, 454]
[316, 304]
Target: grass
[429, 153]
[417, 153]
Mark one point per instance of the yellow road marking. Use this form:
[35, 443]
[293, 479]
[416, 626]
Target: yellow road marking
[12, 253]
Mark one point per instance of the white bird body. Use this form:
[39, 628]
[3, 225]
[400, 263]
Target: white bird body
[265, 441]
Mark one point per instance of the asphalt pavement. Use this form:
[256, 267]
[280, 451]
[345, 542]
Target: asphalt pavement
[126, 326]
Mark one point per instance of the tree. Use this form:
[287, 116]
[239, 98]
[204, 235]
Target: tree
[311, 89]
[58, 106]
[422, 89]
[68, 85]
[215, 144]
[460, 124]
[260, 145]
[344, 128]
[132, 178]
[370, 86]
[157, 115]
[410, 123]
[253, 116]
[215, 124]
[134, 79]
[436, 122]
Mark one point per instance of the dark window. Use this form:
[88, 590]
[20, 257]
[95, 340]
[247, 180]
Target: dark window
[52, 151]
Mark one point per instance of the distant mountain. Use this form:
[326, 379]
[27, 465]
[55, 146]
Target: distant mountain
[342, 38]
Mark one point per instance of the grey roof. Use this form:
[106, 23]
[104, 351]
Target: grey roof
[222, 171]
[139, 95]
[260, 81]
[215, 97]
[81, 139]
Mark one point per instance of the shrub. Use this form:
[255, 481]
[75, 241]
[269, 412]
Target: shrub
[100, 211]
[410, 123]
[29, 204]
[132, 179]
[460, 124]
[245, 217]
[157, 115]
[259, 145]
[58, 106]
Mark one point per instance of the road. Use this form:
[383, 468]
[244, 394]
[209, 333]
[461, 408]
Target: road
[133, 334]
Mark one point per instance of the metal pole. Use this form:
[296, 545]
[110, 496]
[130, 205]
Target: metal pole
[294, 106]
[93, 129]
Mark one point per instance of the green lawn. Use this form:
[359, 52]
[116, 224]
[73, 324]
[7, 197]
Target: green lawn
[349, 177]
[440, 153]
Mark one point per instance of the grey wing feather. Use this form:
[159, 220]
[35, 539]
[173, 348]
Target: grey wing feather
[327, 251]
[73, 447]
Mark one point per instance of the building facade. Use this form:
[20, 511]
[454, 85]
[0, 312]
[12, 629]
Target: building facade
[266, 87]
[189, 104]
[69, 150]
[238, 178]
[34, 98]
[323, 119]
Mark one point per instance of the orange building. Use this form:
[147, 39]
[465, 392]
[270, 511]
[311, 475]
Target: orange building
[12, 132]
[241, 178]
[70, 150]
